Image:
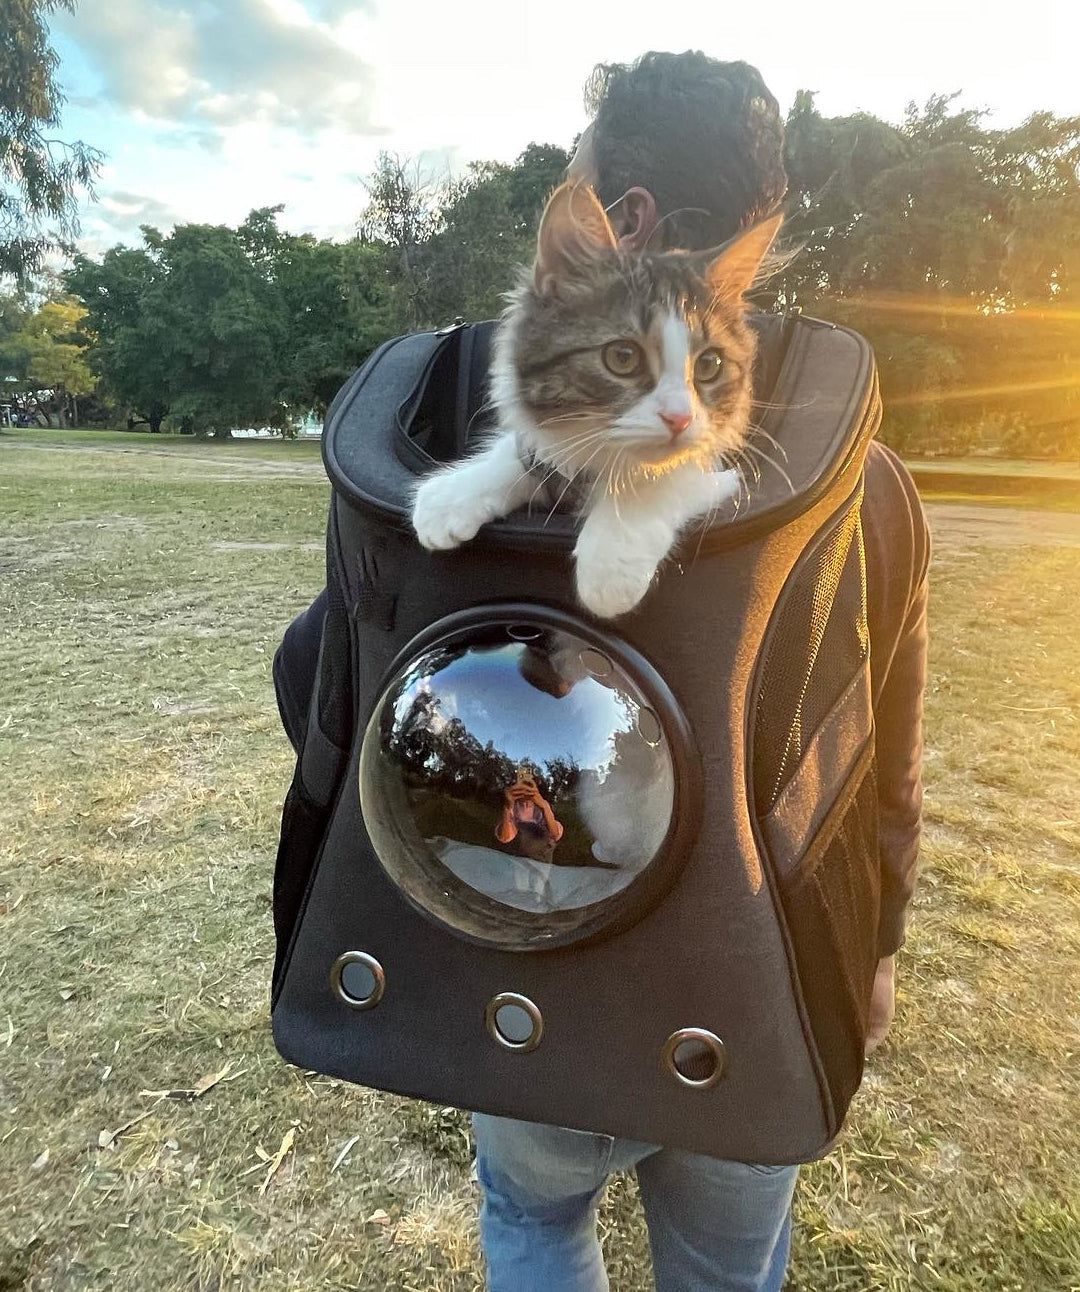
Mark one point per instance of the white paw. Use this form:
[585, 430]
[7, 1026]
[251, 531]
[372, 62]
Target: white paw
[613, 584]
[444, 516]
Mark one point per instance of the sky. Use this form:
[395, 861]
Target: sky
[207, 109]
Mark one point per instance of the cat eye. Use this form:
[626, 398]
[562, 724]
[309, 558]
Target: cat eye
[623, 358]
[708, 366]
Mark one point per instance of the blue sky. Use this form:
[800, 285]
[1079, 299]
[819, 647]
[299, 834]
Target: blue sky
[208, 108]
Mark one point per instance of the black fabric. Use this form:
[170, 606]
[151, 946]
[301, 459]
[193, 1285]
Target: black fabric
[295, 665]
[313, 663]
[303, 825]
[831, 905]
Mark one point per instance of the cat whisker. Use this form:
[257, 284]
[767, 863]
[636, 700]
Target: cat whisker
[486, 407]
[682, 210]
[566, 417]
[548, 476]
[744, 462]
[615, 462]
[760, 453]
[760, 430]
[783, 408]
[570, 481]
[559, 459]
[567, 451]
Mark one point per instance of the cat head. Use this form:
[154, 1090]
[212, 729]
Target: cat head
[615, 360]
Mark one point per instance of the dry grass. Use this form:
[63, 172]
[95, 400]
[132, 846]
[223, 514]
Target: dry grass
[143, 770]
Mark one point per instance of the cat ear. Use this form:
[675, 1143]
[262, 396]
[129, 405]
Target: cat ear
[732, 268]
[573, 230]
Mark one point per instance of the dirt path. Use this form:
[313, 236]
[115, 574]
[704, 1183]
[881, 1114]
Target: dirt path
[961, 525]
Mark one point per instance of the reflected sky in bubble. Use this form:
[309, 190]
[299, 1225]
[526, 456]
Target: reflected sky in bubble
[519, 718]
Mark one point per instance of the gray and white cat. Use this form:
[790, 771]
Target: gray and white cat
[630, 371]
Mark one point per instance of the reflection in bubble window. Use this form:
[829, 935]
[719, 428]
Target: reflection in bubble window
[515, 783]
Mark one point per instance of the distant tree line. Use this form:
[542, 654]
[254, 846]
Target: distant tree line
[954, 246]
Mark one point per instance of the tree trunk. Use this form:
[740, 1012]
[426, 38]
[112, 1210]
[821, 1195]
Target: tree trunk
[60, 399]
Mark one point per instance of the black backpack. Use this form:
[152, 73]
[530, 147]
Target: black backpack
[621, 876]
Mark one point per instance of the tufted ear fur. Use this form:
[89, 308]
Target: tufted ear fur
[573, 230]
[730, 270]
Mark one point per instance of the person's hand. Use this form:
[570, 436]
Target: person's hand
[882, 1003]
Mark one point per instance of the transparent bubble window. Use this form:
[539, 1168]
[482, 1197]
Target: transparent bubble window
[520, 780]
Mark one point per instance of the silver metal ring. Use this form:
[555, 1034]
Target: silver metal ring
[373, 967]
[711, 1042]
[522, 1002]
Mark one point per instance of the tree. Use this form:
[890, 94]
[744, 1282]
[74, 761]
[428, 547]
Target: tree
[221, 328]
[48, 352]
[116, 293]
[336, 304]
[187, 327]
[955, 248]
[40, 177]
[212, 315]
[402, 213]
[487, 229]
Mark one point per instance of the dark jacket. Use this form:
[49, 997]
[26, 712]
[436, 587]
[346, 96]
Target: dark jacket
[897, 559]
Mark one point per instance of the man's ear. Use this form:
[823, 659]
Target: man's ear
[732, 268]
[634, 219]
[573, 230]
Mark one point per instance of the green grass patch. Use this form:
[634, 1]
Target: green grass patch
[143, 593]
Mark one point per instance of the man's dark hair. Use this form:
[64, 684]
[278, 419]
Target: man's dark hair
[697, 133]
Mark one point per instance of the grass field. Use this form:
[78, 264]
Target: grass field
[143, 587]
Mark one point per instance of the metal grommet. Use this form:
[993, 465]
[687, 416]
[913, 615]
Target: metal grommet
[649, 728]
[514, 1022]
[595, 662]
[358, 979]
[694, 1057]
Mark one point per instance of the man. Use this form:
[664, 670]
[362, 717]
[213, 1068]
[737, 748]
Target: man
[684, 151]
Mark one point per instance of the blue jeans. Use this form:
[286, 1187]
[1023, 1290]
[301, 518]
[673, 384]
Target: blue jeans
[714, 1226]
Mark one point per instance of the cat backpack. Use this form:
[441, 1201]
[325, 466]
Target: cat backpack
[618, 876]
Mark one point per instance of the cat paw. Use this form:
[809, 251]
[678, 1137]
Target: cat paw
[612, 587]
[442, 518]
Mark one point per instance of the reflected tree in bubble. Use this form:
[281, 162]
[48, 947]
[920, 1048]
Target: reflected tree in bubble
[514, 778]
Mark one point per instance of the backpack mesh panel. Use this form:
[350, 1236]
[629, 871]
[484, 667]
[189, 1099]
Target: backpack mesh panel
[817, 646]
[832, 911]
[830, 895]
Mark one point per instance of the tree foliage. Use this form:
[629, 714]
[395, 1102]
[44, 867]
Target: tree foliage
[487, 228]
[40, 176]
[45, 354]
[221, 328]
[954, 246]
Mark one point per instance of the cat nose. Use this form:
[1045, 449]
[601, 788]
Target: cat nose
[676, 422]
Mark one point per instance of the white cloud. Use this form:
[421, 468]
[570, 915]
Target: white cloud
[220, 62]
[218, 106]
[332, 10]
[123, 210]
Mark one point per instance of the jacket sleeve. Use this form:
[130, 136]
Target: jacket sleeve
[899, 768]
[898, 555]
